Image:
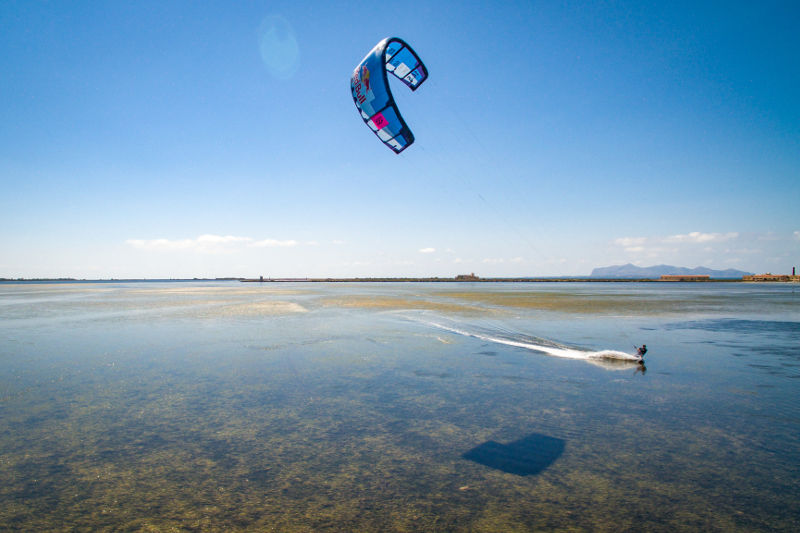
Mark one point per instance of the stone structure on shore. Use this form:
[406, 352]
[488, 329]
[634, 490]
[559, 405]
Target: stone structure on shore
[772, 277]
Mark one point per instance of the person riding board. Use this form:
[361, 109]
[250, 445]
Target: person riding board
[641, 351]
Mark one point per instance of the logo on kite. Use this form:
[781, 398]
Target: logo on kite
[369, 86]
[365, 77]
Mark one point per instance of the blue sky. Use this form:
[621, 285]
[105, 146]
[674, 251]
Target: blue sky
[206, 139]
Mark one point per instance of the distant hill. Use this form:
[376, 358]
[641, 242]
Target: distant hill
[655, 272]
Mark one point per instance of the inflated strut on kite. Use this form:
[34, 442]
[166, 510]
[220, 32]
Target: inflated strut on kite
[371, 94]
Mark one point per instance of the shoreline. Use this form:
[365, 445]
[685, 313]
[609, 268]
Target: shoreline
[390, 280]
[479, 280]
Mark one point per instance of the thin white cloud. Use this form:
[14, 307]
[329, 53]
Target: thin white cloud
[209, 244]
[203, 244]
[654, 247]
[427, 250]
[752, 251]
[273, 243]
[698, 237]
[159, 244]
[219, 239]
[630, 242]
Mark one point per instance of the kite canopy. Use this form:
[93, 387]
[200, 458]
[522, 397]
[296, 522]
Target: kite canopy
[371, 94]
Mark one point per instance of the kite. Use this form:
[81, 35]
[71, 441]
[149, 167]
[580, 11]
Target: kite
[371, 94]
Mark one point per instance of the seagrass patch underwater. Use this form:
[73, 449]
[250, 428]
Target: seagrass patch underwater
[218, 406]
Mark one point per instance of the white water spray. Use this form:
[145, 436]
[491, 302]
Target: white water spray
[547, 347]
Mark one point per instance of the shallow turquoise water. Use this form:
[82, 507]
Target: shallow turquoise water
[229, 406]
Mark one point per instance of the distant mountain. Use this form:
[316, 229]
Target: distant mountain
[655, 272]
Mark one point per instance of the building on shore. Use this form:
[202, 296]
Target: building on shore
[467, 277]
[685, 277]
[772, 277]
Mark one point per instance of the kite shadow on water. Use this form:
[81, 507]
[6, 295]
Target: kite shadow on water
[527, 456]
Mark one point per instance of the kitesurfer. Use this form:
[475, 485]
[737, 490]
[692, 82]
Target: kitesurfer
[641, 351]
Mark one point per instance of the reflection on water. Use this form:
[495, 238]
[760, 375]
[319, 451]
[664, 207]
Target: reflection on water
[733, 324]
[769, 345]
[310, 407]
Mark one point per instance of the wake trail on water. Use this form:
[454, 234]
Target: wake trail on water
[538, 344]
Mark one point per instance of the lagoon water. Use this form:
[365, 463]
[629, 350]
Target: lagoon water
[225, 406]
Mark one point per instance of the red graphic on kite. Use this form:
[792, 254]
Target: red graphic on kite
[379, 120]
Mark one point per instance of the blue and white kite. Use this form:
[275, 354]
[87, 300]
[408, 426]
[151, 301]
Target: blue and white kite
[371, 94]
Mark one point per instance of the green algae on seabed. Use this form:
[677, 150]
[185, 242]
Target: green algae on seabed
[592, 302]
[349, 421]
[387, 303]
[580, 300]
[326, 449]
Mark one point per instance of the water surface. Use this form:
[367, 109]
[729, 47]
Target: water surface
[209, 406]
